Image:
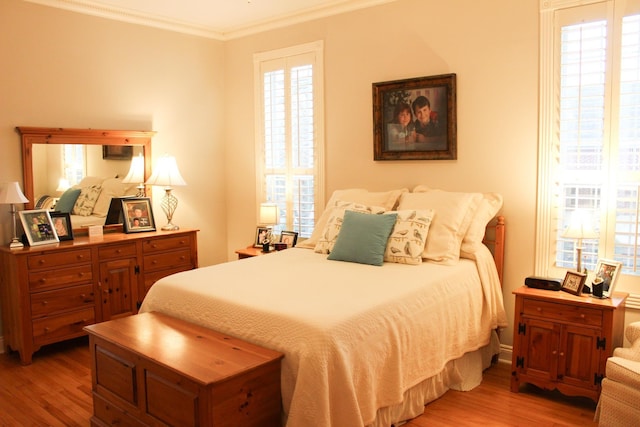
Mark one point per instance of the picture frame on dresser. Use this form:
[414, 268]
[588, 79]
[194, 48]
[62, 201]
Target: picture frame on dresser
[608, 270]
[38, 227]
[573, 282]
[137, 215]
[62, 225]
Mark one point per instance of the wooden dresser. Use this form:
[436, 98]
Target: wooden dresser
[49, 293]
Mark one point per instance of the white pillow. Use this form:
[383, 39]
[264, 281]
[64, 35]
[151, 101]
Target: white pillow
[490, 205]
[453, 215]
[408, 237]
[332, 228]
[386, 199]
[111, 187]
[86, 200]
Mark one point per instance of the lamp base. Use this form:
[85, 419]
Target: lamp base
[16, 244]
[170, 227]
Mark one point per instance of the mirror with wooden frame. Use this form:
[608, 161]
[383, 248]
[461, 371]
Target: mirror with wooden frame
[106, 153]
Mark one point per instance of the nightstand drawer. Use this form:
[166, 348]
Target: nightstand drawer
[47, 303]
[60, 278]
[562, 312]
[56, 259]
[117, 251]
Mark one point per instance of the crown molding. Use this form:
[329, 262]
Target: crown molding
[96, 8]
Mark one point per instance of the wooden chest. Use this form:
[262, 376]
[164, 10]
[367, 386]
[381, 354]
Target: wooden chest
[153, 369]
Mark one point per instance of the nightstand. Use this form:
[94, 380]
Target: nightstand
[250, 251]
[562, 341]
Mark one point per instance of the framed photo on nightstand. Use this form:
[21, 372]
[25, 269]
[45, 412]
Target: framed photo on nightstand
[608, 270]
[573, 282]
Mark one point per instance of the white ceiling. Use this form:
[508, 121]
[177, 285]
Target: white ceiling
[218, 19]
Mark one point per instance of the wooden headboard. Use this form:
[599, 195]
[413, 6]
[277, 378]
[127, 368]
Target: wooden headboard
[494, 239]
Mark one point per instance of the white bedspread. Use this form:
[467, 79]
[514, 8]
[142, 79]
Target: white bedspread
[355, 337]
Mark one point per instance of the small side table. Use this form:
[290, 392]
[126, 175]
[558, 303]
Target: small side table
[250, 252]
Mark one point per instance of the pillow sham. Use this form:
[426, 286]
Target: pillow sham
[363, 238]
[68, 200]
[386, 199]
[86, 200]
[488, 208]
[453, 215]
[334, 223]
[409, 236]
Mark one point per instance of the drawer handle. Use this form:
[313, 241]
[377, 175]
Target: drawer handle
[154, 262]
[46, 330]
[582, 316]
[554, 352]
[43, 280]
[153, 245]
[182, 258]
[539, 309]
[45, 302]
[118, 251]
[41, 262]
[80, 256]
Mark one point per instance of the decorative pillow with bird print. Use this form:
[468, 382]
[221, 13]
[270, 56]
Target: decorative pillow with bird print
[334, 223]
[409, 236]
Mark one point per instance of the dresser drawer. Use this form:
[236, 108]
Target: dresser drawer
[166, 243]
[117, 251]
[167, 260]
[51, 302]
[67, 325]
[562, 312]
[57, 259]
[111, 414]
[61, 277]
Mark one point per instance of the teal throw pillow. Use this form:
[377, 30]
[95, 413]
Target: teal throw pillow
[363, 238]
[68, 200]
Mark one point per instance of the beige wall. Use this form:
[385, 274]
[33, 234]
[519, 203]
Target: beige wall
[492, 46]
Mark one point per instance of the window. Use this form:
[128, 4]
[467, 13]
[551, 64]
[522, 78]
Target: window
[289, 134]
[73, 162]
[589, 156]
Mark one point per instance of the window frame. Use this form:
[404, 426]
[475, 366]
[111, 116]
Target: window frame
[316, 50]
[546, 223]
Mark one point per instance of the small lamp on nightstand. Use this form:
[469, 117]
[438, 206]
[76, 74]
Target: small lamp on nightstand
[579, 228]
[268, 218]
[10, 193]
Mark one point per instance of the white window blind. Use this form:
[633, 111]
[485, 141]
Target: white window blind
[290, 139]
[590, 133]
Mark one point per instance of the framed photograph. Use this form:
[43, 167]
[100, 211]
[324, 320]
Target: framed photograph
[137, 215]
[608, 270]
[62, 225]
[289, 237]
[415, 119]
[38, 227]
[573, 282]
[263, 235]
[117, 152]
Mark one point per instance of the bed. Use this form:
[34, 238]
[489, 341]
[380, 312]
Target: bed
[364, 344]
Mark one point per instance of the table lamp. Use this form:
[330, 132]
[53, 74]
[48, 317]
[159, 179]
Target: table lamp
[11, 194]
[136, 174]
[166, 174]
[579, 228]
[268, 218]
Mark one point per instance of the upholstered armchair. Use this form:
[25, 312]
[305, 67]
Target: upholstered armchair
[619, 403]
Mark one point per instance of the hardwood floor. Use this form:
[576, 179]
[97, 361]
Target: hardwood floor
[56, 391]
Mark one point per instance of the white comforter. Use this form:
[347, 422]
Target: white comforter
[355, 337]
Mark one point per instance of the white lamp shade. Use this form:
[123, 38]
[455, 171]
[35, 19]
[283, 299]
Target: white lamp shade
[11, 193]
[63, 184]
[268, 213]
[580, 227]
[136, 171]
[166, 173]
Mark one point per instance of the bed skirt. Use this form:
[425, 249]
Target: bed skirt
[461, 374]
